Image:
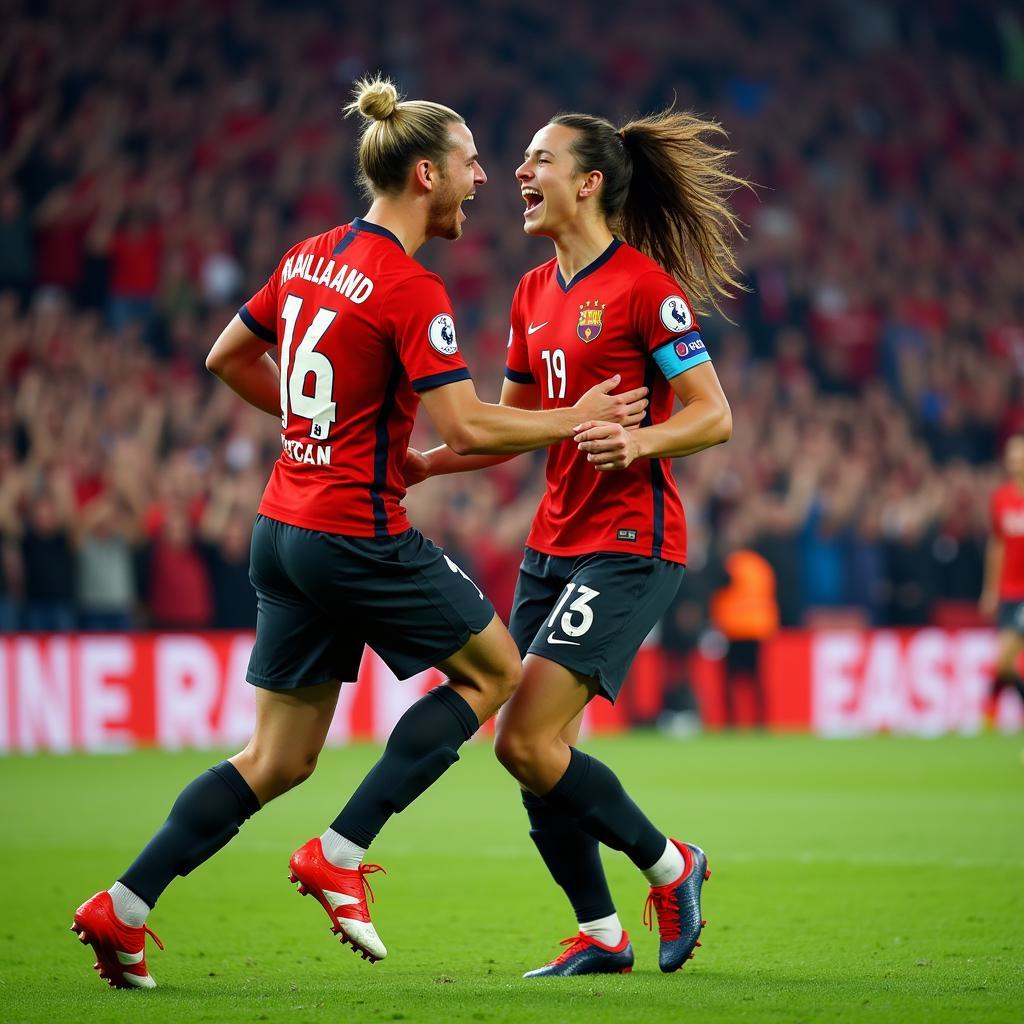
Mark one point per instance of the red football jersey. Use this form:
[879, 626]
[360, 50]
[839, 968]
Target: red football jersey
[622, 314]
[362, 328]
[1007, 511]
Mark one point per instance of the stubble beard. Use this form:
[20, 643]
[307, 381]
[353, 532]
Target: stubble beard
[444, 214]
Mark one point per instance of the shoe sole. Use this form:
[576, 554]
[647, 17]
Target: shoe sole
[115, 977]
[582, 974]
[336, 929]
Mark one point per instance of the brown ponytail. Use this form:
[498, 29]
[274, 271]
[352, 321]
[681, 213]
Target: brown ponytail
[665, 192]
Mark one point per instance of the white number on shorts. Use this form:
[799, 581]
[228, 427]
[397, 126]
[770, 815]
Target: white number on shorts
[555, 362]
[455, 568]
[319, 409]
[581, 605]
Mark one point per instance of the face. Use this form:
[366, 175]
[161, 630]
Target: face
[461, 177]
[1014, 457]
[550, 182]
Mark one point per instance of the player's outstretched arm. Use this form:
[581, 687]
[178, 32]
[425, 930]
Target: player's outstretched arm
[242, 361]
[705, 420]
[442, 460]
[471, 427]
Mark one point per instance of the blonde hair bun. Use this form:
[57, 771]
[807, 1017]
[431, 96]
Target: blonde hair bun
[376, 98]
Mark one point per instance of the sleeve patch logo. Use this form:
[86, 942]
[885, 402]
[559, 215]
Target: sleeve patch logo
[676, 315]
[441, 333]
[693, 347]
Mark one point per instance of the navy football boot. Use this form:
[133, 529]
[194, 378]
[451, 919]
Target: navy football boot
[677, 906]
[584, 955]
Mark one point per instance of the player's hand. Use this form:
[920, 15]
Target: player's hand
[416, 468]
[607, 445]
[988, 606]
[598, 403]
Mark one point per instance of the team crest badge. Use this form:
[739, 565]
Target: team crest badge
[589, 326]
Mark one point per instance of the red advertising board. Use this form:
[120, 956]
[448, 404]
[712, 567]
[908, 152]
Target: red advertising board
[922, 682]
[107, 692]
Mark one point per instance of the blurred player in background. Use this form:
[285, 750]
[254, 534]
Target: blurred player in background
[364, 333]
[638, 220]
[1002, 598]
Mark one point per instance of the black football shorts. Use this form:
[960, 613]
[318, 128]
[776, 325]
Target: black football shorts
[1011, 616]
[591, 613]
[322, 596]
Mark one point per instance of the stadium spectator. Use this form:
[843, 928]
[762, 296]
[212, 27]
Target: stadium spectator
[746, 613]
[47, 567]
[224, 530]
[180, 589]
[17, 265]
[108, 530]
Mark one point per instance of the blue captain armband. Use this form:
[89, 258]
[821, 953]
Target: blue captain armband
[678, 355]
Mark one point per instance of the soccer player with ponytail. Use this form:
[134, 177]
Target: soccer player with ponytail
[642, 235]
[364, 335]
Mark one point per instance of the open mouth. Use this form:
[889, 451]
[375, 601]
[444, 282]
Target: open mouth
[533, 200]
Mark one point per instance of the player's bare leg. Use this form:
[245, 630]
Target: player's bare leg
[422, 746]
[532, 743]
[486, 671]
[291, 729]
[290, 732]
[532, 728]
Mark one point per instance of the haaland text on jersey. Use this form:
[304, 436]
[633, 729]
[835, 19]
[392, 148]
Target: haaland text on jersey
[350, 283]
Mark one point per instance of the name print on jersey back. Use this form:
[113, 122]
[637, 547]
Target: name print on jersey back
[351, 283]
[361, 328]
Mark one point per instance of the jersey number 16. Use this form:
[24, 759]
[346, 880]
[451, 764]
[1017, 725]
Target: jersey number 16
[318, 408]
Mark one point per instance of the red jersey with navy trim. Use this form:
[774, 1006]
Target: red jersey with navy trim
[1007, 513]
[361, 328]
[622, 314]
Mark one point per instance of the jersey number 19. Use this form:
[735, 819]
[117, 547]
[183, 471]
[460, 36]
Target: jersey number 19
[555, 363]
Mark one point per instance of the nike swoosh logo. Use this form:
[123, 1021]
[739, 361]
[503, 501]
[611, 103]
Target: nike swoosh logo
[126, 959]
[534, 328]
[340, 899]
[554, 640]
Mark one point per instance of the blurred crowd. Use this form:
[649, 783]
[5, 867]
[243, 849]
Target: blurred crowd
[156, 160]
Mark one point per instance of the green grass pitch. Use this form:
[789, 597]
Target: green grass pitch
[875, 880]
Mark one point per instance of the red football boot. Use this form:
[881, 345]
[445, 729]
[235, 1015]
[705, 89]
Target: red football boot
[120, 949]
[342, 893]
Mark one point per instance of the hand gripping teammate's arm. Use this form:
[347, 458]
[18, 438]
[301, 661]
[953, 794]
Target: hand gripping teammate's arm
[704, 420]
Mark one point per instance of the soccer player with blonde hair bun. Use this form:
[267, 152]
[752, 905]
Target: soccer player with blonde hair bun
[364, 334]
